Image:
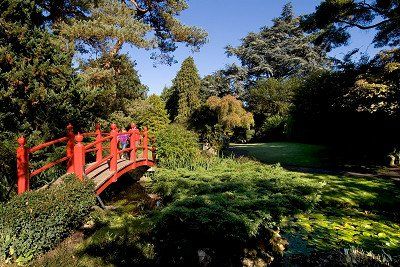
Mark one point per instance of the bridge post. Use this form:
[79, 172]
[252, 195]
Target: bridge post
[132, 141]
[99, 146]
[153, 149]
[70, 148]
[22, 166]
[146, 144]
[114, 147]
[79, 157]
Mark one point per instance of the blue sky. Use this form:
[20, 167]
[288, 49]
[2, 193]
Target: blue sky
[226, 21]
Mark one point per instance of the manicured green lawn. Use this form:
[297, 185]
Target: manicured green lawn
[285, 153]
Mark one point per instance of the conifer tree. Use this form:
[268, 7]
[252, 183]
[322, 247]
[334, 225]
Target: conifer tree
[144, 24]
[187, 84]
[282, 50]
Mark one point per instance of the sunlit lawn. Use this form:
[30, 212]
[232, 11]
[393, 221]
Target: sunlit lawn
[285, 153]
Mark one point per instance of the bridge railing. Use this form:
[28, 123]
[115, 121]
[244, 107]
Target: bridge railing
[76, 152]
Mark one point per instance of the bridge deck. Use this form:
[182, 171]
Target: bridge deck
[103, 174]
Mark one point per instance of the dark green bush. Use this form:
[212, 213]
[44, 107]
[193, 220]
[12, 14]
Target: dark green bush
[224, 206]
[36, 221]
[177, 147]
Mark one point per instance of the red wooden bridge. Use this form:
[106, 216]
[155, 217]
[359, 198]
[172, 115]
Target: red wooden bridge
[109, 164]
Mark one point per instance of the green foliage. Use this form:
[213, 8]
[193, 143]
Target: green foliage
[187, 87]
[36, 221]
[333, 19]
[223, 205]
[38, 96]
[231, 113]
[176, 147]
[150, 112]
[221, 120]
[352, 211]
[271, 100]
[216, 84]
[282, 50]
[109, 24]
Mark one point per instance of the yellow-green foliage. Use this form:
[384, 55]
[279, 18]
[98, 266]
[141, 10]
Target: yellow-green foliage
[230, 112]
[36, 221]
[150, 112]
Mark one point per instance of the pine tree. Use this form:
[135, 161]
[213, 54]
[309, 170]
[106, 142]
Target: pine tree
[110, 24]
[187, 84]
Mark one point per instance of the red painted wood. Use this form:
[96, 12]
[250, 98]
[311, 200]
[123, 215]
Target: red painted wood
[79, 156]
[76, 150]
[146, 144]
[50, 143]
[117, 175]
[48, 166]
[98, 142]
[99, 146]
[22, 166]
[70, 148]
[114, 147]
[133, 142]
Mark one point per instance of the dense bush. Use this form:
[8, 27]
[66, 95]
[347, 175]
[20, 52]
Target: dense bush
[224, 206]
[36, 221]
[176, 147]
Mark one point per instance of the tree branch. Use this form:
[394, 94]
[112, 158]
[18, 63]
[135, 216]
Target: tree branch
[362, 27]
[117, 47]
[138, 8]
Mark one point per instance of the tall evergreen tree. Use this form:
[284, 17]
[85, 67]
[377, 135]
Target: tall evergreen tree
[187, 85]
[280, 51]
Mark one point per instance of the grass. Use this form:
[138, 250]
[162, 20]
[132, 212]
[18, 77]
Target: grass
[287, 154]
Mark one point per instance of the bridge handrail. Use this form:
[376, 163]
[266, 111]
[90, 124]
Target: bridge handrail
[47, 166]
[47, 144]
[100, 141]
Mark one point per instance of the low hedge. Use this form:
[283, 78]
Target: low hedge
[36, 221]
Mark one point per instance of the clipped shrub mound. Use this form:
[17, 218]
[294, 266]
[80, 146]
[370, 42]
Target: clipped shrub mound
[36, 221]
[226, 207]
[177, 147]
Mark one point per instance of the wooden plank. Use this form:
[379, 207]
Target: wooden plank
[102, 174]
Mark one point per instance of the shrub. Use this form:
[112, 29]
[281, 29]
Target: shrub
[36, 221]
[176, 147]
[225, 206]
